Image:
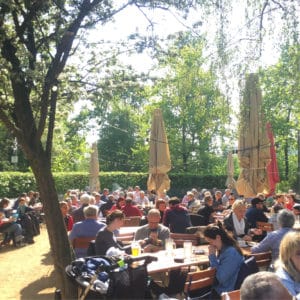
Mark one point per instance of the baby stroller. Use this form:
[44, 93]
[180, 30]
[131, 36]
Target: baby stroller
[102, 277]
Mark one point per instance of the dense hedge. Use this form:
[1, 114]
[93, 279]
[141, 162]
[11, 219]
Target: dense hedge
[13, 183]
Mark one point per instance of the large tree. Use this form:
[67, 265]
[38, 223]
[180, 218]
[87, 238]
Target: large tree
[37, 38]
[281, 85]
[195, 111]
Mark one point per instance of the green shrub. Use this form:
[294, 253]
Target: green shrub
[14, 183]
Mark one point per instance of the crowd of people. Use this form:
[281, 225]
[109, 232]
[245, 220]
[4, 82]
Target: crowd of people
[230, 221]
[20, 220]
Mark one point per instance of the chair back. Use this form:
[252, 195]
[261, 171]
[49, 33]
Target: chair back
[197, 220]
[263, 260]
[180, 238]
[199, 280]
[82, 242]
[132, 221]
[265, 226]
[233, 295]
[248, 267]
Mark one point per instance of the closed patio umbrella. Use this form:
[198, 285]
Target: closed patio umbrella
[254, 145]
[159, 155]
[94, 182]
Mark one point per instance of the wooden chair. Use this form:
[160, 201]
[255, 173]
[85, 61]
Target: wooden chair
[198, 281]
[263, 260]
[82, 242]
[265, 226]
[132, 221]
[180, 238]
[233, 295]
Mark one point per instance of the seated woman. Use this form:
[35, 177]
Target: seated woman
[161, 206]
[224, 255]
[8, 225]
[106, 242]
[118, 205]
[67, 217]
[236, 222]
[288, 265]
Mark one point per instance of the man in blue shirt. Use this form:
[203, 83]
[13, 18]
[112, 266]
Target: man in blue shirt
[271, 242]
[87, 228]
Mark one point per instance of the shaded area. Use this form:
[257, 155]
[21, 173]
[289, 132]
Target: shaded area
[41, 289]
[27, 272]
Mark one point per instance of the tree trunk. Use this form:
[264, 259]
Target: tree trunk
[58, 237]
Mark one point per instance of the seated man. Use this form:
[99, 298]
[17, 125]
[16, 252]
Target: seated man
[152, 236]
[176, 216]
[131, 210]
[272, 241]
[255, 212]
[78, 214]
[87, 228]
[207, 211]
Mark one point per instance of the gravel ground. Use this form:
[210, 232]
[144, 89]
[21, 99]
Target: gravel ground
[27, 272]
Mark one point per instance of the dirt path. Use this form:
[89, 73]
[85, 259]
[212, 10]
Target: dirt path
[26, 273]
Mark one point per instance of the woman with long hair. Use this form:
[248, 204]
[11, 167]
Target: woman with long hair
[225, 255]
[288, 265]
[106, 242]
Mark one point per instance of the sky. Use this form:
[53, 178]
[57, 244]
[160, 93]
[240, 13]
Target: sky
[132, 20]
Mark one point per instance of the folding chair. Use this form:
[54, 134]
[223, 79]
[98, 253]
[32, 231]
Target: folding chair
[82, 242]
[263, 260]
[198, 284]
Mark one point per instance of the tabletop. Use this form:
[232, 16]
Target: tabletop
[175, 260]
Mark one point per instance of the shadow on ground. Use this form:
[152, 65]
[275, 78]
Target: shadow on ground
[41, 289]
[47, 259]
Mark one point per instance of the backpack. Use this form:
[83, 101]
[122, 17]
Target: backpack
[247, 268]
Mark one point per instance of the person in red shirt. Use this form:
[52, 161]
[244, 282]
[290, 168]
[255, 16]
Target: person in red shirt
[67, 218]
[131, 210]
[290, 201]
[118, 205]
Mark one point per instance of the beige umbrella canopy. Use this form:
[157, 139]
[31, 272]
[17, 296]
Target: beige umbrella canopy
[230, 182]
[94, 182]
[254, 146]
[159, 159]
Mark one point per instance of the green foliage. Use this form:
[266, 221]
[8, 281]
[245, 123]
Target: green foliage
[193, 107]
[281, 86]
[13, 184]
